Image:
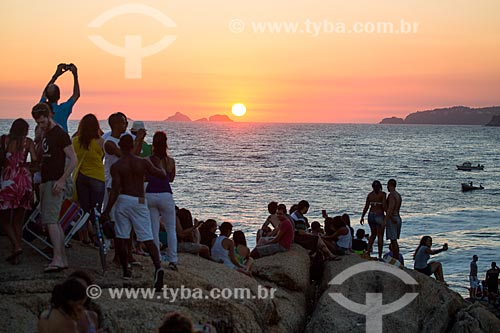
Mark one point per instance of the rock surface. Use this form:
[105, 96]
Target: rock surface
[25, 292]
[435, 309]
[178, 117]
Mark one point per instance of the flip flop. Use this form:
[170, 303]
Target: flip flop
[53, 269]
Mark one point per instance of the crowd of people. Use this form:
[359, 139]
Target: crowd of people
[127, 179]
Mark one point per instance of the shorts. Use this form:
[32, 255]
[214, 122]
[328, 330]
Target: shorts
[393, 230]
[375, 219]
[427, 270]
[50, 204]
[269, 249]
[129, 211]
[188, 247]
[474, 282]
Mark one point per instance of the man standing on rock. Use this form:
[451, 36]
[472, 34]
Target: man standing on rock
[57, 147]
[474, 282]
[127, 190]
[392, 219]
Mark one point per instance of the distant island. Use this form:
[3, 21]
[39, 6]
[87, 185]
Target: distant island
[178, 116]
[457, 115]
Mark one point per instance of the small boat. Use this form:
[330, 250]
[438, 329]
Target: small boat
[467, 166]
[470, 187]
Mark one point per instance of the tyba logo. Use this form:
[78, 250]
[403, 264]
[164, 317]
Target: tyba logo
[132, 51]
[374, 309]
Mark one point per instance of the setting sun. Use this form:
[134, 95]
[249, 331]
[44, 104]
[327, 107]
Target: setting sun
[239, 109]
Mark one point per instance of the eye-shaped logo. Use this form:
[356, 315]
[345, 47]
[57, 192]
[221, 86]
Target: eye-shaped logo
[132, 51]
[374, 309]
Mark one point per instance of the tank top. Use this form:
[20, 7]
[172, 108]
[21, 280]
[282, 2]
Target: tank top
[158, 185]
[109, 160]
[219, 253]
[92, 159]
[345, 241]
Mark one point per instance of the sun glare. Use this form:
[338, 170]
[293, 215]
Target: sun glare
[239, 109]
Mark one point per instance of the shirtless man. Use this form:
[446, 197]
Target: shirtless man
[392, 220]
[127, 190]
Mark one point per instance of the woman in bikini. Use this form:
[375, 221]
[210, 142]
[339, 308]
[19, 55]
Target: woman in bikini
[376, 202]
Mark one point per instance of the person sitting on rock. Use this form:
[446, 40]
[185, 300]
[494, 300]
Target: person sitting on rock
[281, 243]
[272, 219]
[316, 229]
[67, 312]
[188, 235]
[89, 304]
[422, 255]
[223, 249]
[390, 254]
[341, 238]
[359, 245]
[300, 221]
[207, 231]
[242, 252]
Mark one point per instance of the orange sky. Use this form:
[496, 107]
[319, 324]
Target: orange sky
[452, 59]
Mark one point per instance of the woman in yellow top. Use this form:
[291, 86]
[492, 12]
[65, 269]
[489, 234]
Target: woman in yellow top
[90, 187]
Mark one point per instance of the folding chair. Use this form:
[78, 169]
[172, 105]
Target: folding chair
[72, 218]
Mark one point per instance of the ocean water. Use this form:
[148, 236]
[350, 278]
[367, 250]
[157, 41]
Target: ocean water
[230, 171]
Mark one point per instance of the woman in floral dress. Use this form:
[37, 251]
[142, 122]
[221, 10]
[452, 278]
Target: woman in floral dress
[16, 191]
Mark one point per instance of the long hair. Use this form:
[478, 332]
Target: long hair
[160, 145]
[185, 218]
[377, 186]
[423, 240]
[64, 293]
[18, 131]
[88, 129]
[239, 238]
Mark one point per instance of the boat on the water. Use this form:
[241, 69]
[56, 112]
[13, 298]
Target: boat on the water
[470, 187]
[467, 166]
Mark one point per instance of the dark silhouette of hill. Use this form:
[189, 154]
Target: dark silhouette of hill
[457, 115]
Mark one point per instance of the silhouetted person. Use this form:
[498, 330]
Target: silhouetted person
[127, 190]
[392, 220]
[52, 94]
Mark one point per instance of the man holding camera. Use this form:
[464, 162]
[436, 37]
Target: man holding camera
[51, 94]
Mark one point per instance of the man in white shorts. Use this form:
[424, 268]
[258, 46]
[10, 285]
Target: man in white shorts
[127, 191]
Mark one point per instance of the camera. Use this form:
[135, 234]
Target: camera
[67, 67]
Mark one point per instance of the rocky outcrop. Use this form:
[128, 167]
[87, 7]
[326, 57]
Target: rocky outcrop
[25, 292]
[392, 120]
[457, 115]
[178, 117]
[435, 309]
[219, 118]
